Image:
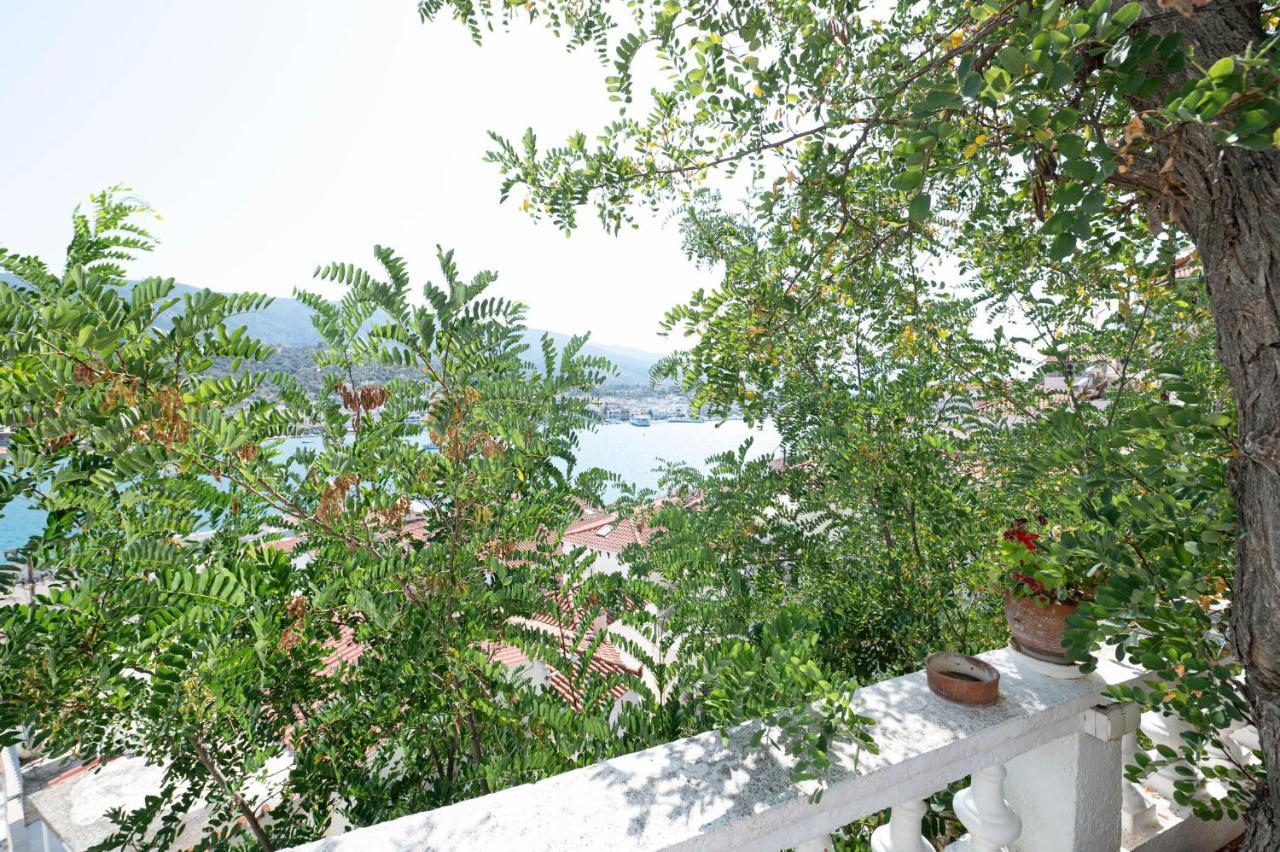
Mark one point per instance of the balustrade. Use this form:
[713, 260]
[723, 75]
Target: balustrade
[1044, 768]
[982, 808]
[902, 832]
[1137, 810]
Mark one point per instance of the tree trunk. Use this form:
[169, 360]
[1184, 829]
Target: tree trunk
[1237, 233]
[1228, 201]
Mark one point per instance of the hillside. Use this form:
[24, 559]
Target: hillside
[286, 323]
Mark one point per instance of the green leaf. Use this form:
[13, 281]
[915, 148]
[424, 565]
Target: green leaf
[908, 180]
[1065, 119]
[1012, 60]
[1127, 14]
[998, 79]
[920, 205]
[1071, 145]
[1062, 245]
[1081, 170]
[940, 98]
[1222, 68]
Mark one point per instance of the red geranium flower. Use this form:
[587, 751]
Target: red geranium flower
[1030, 582]
[1018, 532]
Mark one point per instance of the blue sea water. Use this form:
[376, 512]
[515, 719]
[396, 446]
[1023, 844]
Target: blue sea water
[632, 452]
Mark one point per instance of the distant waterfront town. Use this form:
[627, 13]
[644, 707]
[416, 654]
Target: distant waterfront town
[624, 404]
[637, 405]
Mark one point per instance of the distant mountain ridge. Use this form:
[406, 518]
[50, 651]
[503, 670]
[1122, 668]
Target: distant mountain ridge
[287, 323]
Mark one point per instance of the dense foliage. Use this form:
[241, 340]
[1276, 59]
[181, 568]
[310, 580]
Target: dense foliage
[311, 641]
[942, 204]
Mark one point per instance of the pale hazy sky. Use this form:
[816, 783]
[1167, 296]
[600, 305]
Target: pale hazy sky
[274, 136]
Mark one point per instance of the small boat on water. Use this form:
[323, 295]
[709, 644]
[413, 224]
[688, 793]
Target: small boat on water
[640, 421]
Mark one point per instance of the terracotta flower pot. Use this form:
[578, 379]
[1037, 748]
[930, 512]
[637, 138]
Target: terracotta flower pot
[1037, 628]
[963, 679]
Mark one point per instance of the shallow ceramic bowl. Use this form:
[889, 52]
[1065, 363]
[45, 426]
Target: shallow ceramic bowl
[962, 679]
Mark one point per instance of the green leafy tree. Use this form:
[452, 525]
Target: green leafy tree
[306, 639]
[919, 170]
[172, 631]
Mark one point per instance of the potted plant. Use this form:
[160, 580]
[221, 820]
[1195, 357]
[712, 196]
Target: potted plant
[1041, 591]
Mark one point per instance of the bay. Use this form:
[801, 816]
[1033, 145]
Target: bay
[632, 452]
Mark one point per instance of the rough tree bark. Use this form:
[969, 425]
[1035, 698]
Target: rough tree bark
[1238, 236]
[1227, 200]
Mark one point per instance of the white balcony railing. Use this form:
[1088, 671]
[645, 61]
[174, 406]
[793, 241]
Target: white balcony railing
[1044, 763]
[14, 833]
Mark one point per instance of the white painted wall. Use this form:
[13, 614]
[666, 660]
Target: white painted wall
[1068, 795]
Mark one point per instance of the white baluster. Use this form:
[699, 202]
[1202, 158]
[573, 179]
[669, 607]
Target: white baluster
[1136, 811]
[1168, 730]
[981, 807]
[818, 844]
[1242, 740]
[902, 834]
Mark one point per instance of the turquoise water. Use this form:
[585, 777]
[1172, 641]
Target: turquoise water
[629, 451]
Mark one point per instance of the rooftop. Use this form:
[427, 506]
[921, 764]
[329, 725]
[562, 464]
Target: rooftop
[612, 532]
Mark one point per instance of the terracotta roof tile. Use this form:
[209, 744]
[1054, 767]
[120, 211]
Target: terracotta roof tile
[605, 532]
[345, 649]
[564, 688]
[590, 519]
[1187, 265]
[287, 545]
[564, 617]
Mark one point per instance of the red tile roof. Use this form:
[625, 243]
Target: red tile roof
[606, 662]
[416, 528]
[573, 697]
[1039, 402]
[345, 649]
[606, 532]
[74, 771]
[609, 535]
[564, 619]
[287, 545]
[1187, 265]
[508, 655]
[590, 518]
